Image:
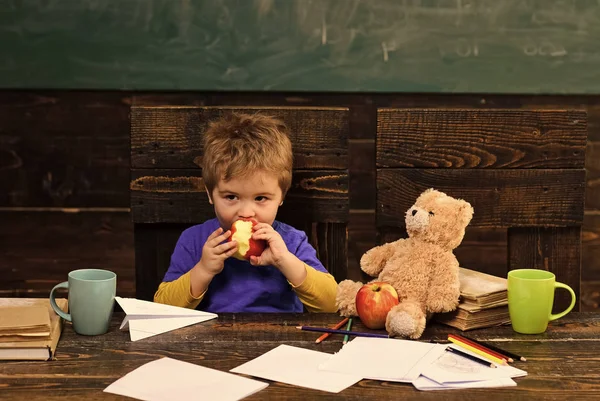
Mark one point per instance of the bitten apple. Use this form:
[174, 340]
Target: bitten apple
[374, 301]
[241, 231]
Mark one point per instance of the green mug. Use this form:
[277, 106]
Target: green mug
[530, 300]
[91, 300]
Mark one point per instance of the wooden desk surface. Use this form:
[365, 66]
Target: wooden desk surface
[562, 364]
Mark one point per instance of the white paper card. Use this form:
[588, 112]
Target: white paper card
[453, 368]
[424, 384]
[169, 379]
[384, 358]
[145, 319]
[297, 366]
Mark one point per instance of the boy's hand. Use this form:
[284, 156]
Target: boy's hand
[214, 251]
[276, 251]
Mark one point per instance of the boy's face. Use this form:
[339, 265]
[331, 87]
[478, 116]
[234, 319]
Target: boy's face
[255, 196]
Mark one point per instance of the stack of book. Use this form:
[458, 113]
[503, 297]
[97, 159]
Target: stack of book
[29, 328]
[483, 302]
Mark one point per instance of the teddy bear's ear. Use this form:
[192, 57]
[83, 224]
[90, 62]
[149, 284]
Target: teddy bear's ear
[465, 212]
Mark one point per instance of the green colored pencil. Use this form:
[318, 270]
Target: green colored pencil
[348, 327]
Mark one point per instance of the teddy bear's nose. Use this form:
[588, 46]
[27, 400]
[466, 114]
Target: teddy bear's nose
[414, 212]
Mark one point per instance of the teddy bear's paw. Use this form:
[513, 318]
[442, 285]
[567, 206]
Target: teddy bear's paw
[345, 299]
[373, 261]
[405, 321]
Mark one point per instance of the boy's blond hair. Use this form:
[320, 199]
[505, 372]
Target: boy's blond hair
[240, 144]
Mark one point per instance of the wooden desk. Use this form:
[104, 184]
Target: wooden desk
[563, 363]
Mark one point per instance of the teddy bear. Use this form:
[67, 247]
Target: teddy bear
[422, 268]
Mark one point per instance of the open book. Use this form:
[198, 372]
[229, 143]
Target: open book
[20, 345]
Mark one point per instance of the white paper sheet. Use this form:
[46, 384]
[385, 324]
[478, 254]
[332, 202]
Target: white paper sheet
[169, 379]
[453, 368]
[297, 366]
[145, 319]
[384, 358]
[425, 384]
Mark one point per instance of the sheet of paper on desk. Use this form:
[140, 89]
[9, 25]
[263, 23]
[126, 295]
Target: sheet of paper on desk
[297, 366]
[384, 358]
[453, 368]
[168, 379]
[425, 384]
[145, 319]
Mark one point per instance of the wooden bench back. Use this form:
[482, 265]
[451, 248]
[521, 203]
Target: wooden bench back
[168, 195]
[522, 170]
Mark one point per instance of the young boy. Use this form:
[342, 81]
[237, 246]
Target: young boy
[247, 170]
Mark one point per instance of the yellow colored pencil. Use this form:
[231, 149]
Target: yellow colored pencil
[477, 351]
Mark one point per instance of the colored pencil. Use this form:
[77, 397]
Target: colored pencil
[477, 351]
[481, 347]
[334, 331]
[471, 357]
[498, 350]
[337, 326]
[346, 337]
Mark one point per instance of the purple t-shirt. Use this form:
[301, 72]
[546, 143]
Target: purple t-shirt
[241, 287]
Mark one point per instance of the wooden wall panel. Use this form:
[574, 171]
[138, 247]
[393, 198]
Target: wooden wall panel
[39, 249]
[64, 149]
[178, 196]
[171, 137]
[455, 138]
[500, 197]
[82, 139]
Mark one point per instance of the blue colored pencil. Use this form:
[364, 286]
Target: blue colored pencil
[350, 333]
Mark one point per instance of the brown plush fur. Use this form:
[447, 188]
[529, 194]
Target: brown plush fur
[422, 268]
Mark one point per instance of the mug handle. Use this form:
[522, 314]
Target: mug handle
[561, 314]
[66, 316]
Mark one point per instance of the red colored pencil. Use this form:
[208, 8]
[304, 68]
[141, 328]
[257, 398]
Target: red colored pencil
[337, 326]
[480, 347]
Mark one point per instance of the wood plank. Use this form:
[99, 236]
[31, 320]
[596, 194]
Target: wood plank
[500, 197]
[555, 249]
[481, 138]
[178, 196]
[590, 244]
[39, 249]
[64, 149]
[590, 296]
[362, 174]
[171, 137]
[592, 190]
[154, 244]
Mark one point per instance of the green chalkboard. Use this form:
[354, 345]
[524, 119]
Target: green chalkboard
[497, 46]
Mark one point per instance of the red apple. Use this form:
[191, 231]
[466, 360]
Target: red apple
[374, 301]
[241, 231]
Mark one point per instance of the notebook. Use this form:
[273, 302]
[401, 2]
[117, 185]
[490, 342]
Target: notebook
[37, 348]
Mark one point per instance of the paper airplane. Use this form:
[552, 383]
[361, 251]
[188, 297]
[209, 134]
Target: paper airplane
[146, 319]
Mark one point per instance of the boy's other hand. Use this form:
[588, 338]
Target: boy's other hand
[276, 251]
[215, 251]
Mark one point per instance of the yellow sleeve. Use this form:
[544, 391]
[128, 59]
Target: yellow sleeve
[317, 291]
[177, 293]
